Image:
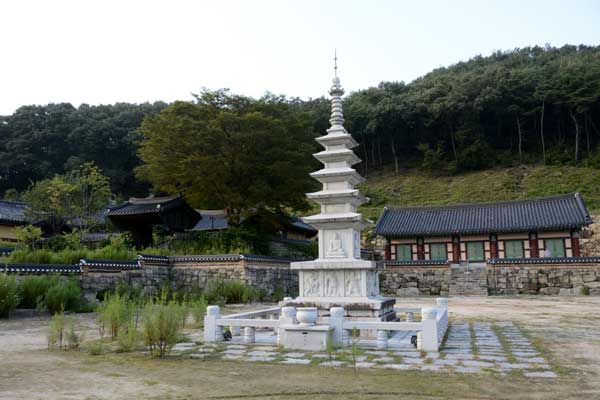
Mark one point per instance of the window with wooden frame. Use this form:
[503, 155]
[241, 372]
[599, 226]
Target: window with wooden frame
[513, 249]
[475, 251]
[554, 247]
[438, 251]
[404, 252]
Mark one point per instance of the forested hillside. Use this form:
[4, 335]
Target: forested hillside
[37, 142]
[530, 106]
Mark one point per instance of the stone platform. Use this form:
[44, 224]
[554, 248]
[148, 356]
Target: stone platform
[471, 348]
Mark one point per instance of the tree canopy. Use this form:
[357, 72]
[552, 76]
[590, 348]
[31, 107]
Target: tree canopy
[230, 152]
[38, 142]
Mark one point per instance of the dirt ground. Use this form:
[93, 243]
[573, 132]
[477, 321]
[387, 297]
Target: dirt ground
[566, 330]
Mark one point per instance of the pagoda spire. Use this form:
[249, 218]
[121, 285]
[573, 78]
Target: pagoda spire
[336, 92]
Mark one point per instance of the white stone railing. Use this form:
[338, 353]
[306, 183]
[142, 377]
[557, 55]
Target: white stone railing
[430, 330]
[214, 323]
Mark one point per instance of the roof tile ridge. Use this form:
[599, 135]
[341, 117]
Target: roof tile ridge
[487, 203]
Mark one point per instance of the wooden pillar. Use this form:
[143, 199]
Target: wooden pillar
[575, 244]
[388, 250]
[493, 245]
[420, 249]
[455, 250]
[533, 245]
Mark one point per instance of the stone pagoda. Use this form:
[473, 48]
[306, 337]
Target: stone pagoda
[339, 277]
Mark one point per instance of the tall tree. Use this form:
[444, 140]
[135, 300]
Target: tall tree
[231, 152]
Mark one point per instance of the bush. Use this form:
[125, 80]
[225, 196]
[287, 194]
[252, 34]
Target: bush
[128, 336]
[198, 311]
[233, 292]
[72, 338]
[114, 312]
[33, 289]
[96, 348]
[56, 331]
[63, 296]
[28, 235]
[9, 295]
[161, 327]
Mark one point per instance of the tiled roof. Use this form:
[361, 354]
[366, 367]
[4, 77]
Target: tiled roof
[211, 220]
[561, 212]
[40, 268]
[109, 265]
[143, 206]
[12, 212]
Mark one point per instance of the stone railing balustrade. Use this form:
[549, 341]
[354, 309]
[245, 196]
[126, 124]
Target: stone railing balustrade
[431, 329]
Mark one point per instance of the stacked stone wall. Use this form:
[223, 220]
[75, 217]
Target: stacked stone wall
[198, 275]
[272, 278]
[590, 238]
[149, 279]
[414, 281]
[572, 279]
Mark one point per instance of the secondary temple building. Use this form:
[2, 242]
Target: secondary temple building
[543, 227]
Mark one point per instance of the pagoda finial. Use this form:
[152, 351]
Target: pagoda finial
[335, 62]
[336, 92]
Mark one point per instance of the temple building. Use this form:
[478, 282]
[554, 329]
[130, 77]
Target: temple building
[12, 215]
[138, 216]
[543, 227]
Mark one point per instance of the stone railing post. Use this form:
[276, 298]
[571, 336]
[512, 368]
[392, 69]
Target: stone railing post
[212, 332]
[235, 330]
[287, 317]
[382, 339]
[410, 317]
[429, 332]
[336, 322]
[249, 334]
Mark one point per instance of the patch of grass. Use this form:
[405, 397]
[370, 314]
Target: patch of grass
[474, 347]
[505, 345]
[419, 188]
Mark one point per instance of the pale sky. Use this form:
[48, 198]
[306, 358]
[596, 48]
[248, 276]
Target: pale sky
[105, 51]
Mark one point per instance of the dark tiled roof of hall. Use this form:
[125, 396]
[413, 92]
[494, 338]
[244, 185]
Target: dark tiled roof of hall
[12, 212]
[149, 205]
[565, 211]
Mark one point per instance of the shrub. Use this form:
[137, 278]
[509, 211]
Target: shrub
[33, 289]
[63, 296]
[96, 348]
[28, 235]
[128, 336]
[72, 338]
[161, 326]
[9, 296]
[56, 331]
[198, 311]
[232, 292]
[114, 312]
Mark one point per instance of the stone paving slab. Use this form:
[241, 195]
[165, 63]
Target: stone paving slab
[295, 361]
[544, 374]
[498, 347]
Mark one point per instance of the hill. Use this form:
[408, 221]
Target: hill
[413, 188]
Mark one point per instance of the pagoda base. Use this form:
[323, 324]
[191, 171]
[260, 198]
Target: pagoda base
[373, 308]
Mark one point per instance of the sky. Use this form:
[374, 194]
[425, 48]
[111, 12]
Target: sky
[106, 51]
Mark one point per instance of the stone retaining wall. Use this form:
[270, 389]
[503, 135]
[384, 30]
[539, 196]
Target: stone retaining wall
[399, 280]
[502, 279]
[268, 274]
[572, 279]
[149, 279]
[590, 238]
[150, 273]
